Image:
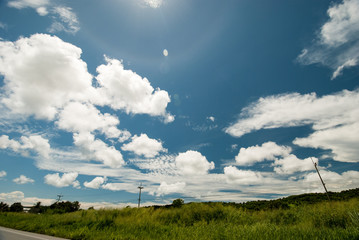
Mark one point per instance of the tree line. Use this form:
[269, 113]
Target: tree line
[57, 207]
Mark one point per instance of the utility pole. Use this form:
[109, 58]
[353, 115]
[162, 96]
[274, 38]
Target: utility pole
[325, 188]
[59, 196]
[139, 198]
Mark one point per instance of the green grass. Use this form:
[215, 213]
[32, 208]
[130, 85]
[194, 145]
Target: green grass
[326, 220]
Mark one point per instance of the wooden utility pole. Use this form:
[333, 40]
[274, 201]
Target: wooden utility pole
[139, 197]
[325, 188]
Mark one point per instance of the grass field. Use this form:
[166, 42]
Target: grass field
[326, 220]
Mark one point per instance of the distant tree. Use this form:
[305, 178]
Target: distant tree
[178, 202]
[16, 207]
[37, 208]
[65, 207]
[4, 207]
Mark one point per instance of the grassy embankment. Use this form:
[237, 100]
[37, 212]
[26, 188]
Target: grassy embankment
[325, 220]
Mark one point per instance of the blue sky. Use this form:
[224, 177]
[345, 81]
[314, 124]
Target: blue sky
[202, 100]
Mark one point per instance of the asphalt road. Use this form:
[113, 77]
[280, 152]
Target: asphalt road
[11, 234]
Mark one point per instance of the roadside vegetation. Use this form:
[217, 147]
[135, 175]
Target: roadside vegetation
[308, 216]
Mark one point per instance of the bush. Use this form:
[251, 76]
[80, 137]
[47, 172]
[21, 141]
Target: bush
[16, 207]
[178, 202]
[4, 207]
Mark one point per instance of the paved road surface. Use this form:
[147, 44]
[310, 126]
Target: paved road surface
[11, 234]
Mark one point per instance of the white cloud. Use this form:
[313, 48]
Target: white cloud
[96, 182]
[243, 177]
[342, 141]
[11, 197]
[268, 151]
[68, 20]
[5, 143]
[334, 119]
[64, 19]
[211, 118]
[193, 163]
[153, 3]
[128, 91]
[165, 189]
[2, 174]
[82, 118]
[35, 142]
[338, 41]
[38, 5]
[98, 150]
[67, 179]
[38, 144]
[291, 164]
[42, 74]
[143, 145]
[23, 180]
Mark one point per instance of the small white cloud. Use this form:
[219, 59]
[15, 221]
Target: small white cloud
[96, 149]
[20, 4]
[347, 64]
[2, 174]
[35, 143]
[67, 179]
[243, 177]
[291, 164]
[153, 3]
[12, 197]
[143, 145]
[23, 180]
[211, 118]
[165, 52]
[165, 189]
[42, 11]
[68, 21]
[193, 163]
[268, 151]
[96, 182]
[2, 26]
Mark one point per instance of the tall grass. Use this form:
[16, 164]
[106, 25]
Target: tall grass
[327, 220]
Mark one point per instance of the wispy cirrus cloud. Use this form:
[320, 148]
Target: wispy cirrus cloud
[64, 19]
[337, 45]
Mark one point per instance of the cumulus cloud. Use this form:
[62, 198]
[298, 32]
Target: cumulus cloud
[128, 91]
[243, 177]
[96, 182]
[165, 189]
[338, 42]
[2, 174]
[143, 145]
[334, 119]
[35, 143]
[23, 180]
[268, 151]
[291, 164]
[193, 163]
[98, 150]
[81, 118]
[67, 179]
[42, 74]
